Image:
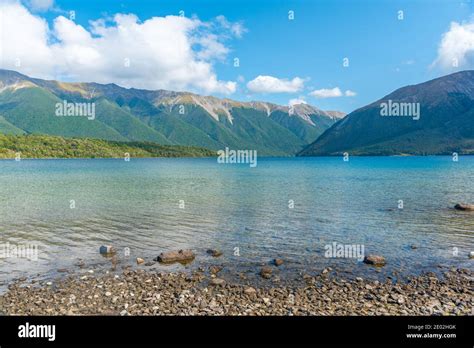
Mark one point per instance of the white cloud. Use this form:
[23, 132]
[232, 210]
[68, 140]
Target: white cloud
[26, 34]
[331, 93]
[296, 101]
[237, 28]
[41, 5]
[169, 52]
[270, 84]
[326, 93]
[350, 93]
[456, 48]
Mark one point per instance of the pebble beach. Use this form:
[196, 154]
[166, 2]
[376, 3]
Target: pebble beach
[204, 292]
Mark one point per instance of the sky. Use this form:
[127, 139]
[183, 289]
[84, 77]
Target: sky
[334, 54]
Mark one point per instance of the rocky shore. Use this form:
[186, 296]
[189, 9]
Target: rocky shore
[203, 292]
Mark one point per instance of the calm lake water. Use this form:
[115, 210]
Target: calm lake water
[136, 205]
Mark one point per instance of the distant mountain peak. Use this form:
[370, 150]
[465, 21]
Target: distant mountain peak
[216, 107]
[445, 123]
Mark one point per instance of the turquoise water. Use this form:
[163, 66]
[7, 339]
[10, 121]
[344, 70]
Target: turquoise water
[136, 205]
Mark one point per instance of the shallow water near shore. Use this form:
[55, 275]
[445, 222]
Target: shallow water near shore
[155, 205]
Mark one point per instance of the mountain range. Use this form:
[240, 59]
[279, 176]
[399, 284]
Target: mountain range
[437, 119]
[431, 118]
[28, 106]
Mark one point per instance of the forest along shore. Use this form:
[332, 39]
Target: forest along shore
[140, 292]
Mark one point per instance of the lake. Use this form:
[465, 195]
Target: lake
[290, 208]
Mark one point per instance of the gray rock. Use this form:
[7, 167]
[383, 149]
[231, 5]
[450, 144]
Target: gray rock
[80, 264]
[183, 256]
[107, 250]
[217, 281]
[464, 206]
[214, 252]
[278, 262]
[375, 260]
[266, 272]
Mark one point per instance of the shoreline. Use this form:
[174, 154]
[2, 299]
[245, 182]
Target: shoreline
[215, 156]
[204, 292]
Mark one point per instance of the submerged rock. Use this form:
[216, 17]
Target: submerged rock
[278, 262]
[375, 260]
[107, 250]
[214, 252]
[183, 256]
[215, 269]
[266, 272]
[80, 264]
[464, 206]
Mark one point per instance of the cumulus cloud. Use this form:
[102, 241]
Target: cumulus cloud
[331, 93]
[41, 5]
[456, 49]
[350, 93]
[171, 52]
[326, 93]
[270, 84]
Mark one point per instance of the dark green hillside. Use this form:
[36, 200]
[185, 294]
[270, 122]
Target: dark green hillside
[299, 127]
[170, 124]
[446, 123]
[126, 124]
[44, 146]
[8, 128]
[268, 135]
[33, 111]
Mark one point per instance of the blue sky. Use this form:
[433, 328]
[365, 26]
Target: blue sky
[384, 52]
